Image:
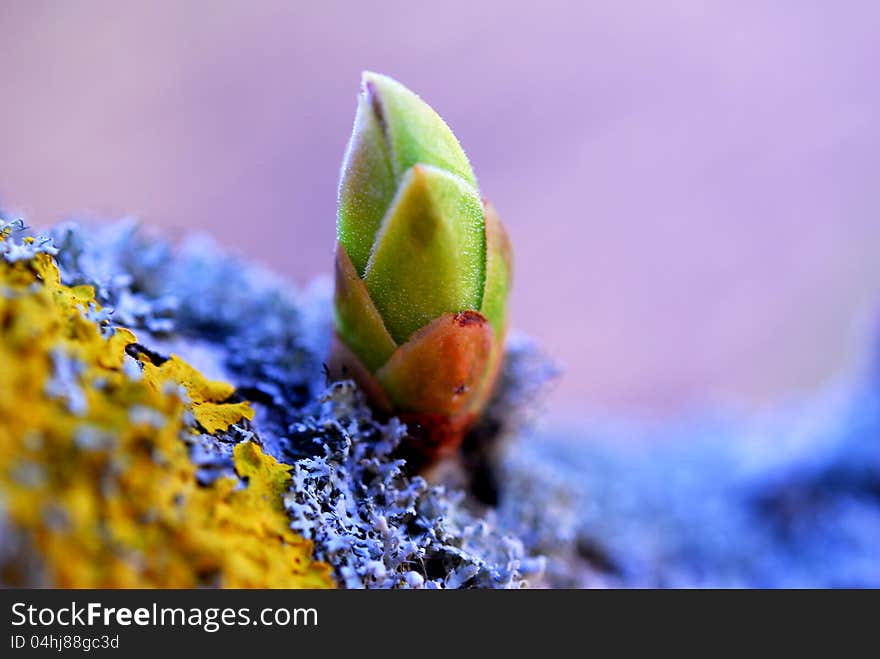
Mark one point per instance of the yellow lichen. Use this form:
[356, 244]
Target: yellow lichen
[94, 474]
[207, 397]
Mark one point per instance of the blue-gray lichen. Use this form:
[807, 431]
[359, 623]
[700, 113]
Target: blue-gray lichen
[376, 525]
[788, 499]
[380, 528]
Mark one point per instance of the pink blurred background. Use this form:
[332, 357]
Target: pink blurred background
[692, 188]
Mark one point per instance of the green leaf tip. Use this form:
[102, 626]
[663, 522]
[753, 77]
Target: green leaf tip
[415, 132]
[394, 130]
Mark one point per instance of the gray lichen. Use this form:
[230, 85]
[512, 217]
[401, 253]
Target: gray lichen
[790, 498]
[19, 246]
[378, 526]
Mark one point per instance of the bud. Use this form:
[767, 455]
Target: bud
[423, 268]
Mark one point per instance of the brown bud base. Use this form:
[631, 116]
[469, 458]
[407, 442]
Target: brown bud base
[447, 370]
[432, 437]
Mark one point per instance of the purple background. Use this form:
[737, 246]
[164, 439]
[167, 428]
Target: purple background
[693, 193]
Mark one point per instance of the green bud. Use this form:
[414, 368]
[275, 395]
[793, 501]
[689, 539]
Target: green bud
[423, 266]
